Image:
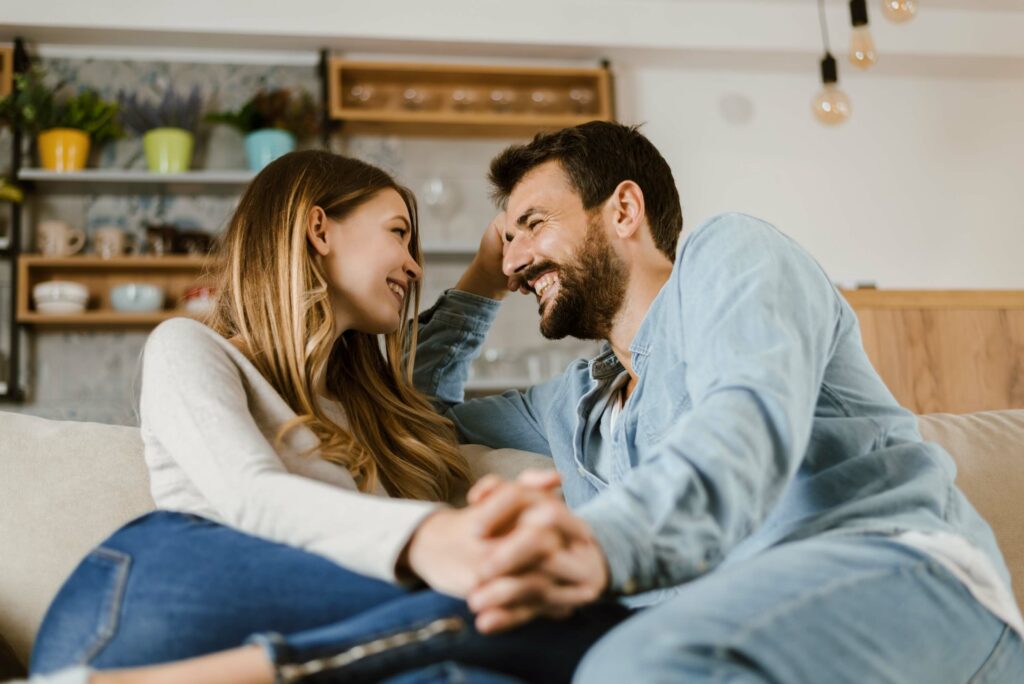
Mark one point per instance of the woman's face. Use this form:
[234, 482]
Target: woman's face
[367, 261]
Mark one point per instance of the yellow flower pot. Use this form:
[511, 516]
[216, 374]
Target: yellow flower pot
[63, 149]
[168, 150]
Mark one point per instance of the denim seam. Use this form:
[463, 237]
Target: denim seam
[462, 322]
[122, 563]
[445, 364]
[826, 388]
[995, 656]
[922, 565]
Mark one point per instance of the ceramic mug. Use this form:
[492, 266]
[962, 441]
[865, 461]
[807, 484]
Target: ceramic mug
[57, 238]
[161, 238]
[110, 241]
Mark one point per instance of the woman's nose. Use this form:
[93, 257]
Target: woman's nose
[413, 270]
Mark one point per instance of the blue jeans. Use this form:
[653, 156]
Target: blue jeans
[170, 586]
[849, 609]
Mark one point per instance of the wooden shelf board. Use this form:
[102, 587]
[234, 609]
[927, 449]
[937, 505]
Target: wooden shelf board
[868, 298]
[455, 68]
[390, 116]
[169, 262]
[99, 318]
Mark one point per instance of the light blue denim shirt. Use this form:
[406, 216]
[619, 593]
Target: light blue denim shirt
[757, 417]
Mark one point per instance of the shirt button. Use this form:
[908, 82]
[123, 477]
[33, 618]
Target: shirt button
[581, 470]
[629, 587]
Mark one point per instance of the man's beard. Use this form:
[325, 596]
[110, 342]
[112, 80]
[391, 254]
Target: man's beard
[590, 292]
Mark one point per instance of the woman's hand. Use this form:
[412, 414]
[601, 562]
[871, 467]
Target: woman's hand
[446, 551]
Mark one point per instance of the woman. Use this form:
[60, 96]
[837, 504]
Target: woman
[299, 474]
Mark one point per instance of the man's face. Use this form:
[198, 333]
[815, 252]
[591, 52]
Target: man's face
[562, 253]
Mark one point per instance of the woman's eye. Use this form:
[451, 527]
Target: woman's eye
[400, 232]
[533, 224]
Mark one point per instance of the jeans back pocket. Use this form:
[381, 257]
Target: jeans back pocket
[84, 616]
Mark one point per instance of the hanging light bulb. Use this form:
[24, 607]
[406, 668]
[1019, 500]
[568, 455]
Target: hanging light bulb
[831, 106]
[899, 11]
[862, 45]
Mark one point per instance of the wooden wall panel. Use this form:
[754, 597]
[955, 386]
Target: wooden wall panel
[954, 352]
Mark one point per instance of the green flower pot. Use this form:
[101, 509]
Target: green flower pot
[168, 150]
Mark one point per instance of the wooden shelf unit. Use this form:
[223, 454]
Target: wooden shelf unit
[442, 118]
[6, 69]
[175, 274]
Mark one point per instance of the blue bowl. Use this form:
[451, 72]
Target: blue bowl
[137, 297]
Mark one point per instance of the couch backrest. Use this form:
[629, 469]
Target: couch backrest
[988, 448]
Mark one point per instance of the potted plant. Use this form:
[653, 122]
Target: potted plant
[272, 120]
[63, 122]
[167, 127]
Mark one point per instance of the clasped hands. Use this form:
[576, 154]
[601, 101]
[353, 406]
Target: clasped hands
[515, 553]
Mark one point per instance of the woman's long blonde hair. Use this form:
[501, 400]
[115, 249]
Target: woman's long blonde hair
[273, 295]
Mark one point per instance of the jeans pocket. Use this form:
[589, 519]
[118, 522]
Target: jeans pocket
[1006, 662]
[85, 614]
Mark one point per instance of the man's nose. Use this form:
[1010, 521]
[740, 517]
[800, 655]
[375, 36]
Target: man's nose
[517, 256]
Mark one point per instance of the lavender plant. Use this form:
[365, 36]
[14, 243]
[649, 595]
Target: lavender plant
[172, 111]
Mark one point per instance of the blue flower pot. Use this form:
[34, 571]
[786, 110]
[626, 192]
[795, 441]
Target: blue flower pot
[266, 145]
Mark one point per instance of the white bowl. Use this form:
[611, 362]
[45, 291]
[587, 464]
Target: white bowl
[60, 291]
[60, 307]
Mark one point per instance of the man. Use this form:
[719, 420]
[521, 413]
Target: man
[731, 456]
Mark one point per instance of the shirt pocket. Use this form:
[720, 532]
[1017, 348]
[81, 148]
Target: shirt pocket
[665, 401]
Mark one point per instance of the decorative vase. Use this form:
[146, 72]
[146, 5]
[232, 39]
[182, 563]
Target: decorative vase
[267, 144]
[63, 149]
[168, 150]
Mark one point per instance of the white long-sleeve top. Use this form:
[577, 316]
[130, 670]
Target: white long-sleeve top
[208, 422]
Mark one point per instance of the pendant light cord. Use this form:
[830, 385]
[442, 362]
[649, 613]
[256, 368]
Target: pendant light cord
[824, 25]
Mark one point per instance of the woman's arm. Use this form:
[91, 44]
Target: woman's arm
[195, 405]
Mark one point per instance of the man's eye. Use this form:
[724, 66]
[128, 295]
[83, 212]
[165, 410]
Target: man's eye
[533, 224]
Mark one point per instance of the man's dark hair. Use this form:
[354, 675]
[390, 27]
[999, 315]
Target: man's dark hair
[597, 156]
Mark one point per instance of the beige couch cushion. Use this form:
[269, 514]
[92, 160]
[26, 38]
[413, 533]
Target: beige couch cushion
[64, 487]
[989, 451]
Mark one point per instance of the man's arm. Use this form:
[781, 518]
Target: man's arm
[450, 336]
[758, 325]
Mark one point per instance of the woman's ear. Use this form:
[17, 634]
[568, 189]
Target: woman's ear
[316, 231]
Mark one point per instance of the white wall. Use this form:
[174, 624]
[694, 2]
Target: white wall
[922, 188]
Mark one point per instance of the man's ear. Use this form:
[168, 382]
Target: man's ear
[625, 207]
[316, 231]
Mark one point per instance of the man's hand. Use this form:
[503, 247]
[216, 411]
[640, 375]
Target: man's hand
[546, 563]
[484, 275]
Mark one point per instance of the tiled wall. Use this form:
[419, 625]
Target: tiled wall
[94, 375]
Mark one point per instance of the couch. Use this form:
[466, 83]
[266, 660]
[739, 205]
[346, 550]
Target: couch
[64, 486]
